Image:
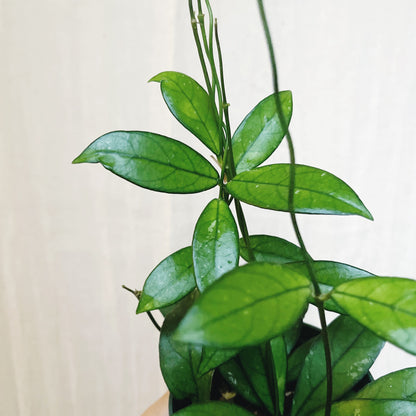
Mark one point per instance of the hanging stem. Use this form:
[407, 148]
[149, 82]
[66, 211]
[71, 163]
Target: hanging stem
[306, 256]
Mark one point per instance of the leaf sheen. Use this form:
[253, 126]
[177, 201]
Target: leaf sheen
[151, 161]
[316, 191]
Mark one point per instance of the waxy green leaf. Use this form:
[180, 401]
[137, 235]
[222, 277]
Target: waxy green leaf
[170, 281]
[331, 274]
[279, 366]
[213, 409]
[151, 161]
[267, 248]
[385, 305]
[256, 366]
[215, 243]
[247, 306]
[400, 385]
[261, 132]
[316, 191]
[214, 357]
[179, 361]
[364, 407]
[235, 375]
[353, 351]
[191, 106]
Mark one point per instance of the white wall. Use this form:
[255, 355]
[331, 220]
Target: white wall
[71, 235]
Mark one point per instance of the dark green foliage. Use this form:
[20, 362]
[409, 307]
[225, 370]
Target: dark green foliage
[242, 324]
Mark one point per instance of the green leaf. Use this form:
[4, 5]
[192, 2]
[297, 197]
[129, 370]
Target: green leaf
[279, 362]
[267, 248]
[214, 357]
[261, 132]
[213, 409]
[179, 361]
[191, 106]
[247, 306]
[353, 351]
[297, 359]
[255, 364]
[316, 191]
[169, 282]
[329, 275]
[215, 243]
[400, 385]
[364, 407]
[151, 161]
[235, 375]
[385, 305]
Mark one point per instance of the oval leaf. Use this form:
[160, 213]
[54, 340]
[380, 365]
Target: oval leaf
[247, 306]
[237, 378]
[151, 161]
[271, 249]
[316, 191]
[353, 351]
[331, 274]
[385, 305]
[213, 409]
[279, 365]
[215, 243]
[256, 366]
[363, 407]
[179, 362]
[261, 132]
[170, 281]
[400, 385]
[214, 357]
[191, 106]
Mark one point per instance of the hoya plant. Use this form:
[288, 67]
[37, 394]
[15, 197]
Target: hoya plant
[233, 339]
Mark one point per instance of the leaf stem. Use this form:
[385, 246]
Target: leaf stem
[306, 256]
[137, 294]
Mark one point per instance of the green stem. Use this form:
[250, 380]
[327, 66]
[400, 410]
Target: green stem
[239, 210]
[306, 256]
[199, 46]
[137, 294]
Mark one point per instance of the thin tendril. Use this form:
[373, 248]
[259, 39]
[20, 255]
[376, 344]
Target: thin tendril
[306, 256]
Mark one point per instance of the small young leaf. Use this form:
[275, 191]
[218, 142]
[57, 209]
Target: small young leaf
[353, 351]
[261, 132]
[331, 274]
[191, 106]
[213, 409]
[179, 362]
[400, 385]
[385, 305]
[170, 281]
[151, 161]
[364, 407]
[267, 248]
[247, 306]
[316, 191]
[215, 243]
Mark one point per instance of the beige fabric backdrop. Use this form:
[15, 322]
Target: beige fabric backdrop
[71, 343]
